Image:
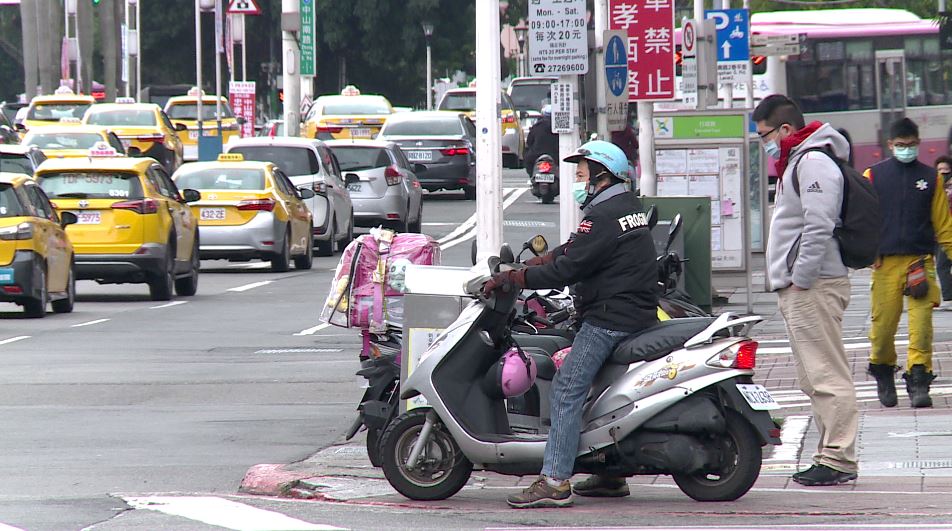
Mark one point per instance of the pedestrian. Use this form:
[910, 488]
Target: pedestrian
[541, 140]
[601, 252]
[627, 139]
[914, 219]
[804, 267]
[943, 266]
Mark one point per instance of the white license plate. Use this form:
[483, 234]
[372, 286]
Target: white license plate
[758, 397]
[212, 214]
[544, 178]
[419, 156]
[361, 132]
[88, 217]
[353, 187]
[193, 135]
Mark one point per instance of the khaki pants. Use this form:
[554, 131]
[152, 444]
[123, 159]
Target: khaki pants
[889, 281]
[814, 320]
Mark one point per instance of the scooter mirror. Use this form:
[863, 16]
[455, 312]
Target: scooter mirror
[505, 254]
[673, 230]
[538, 245]
[652, 216]
[472, 252]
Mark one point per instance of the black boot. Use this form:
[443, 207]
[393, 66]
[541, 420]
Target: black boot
[885, 383]
[917, 385]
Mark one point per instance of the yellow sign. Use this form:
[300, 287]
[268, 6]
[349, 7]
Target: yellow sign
[231, 157]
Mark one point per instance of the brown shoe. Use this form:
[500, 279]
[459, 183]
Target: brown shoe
[541, 494]
[602, 487]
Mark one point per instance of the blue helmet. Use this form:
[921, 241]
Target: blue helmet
[607, 154]
[546, 110]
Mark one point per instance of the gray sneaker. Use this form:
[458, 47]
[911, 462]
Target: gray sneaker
[541, 494]
[602, 487]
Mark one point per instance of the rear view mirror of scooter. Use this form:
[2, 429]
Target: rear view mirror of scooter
[673, 230]
[652, 215]
[505, 254]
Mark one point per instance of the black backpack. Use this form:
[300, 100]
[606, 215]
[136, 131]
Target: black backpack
[858, 236]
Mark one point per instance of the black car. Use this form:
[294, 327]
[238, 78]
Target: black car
[8, 133]
[443, 142]
[20, 159]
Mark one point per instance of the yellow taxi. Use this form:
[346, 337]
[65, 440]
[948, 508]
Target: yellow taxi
[184, 110]
[36, 256]
[133, 223]
[72, 141]
[61, 107]
[250, 209]
[348, 115]
[513, 137]
[143, 128]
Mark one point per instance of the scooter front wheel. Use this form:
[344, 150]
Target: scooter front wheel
[441, 469]
[741, 456]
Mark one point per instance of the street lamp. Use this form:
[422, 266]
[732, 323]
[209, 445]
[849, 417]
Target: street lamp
[521, 29]
[428, 33]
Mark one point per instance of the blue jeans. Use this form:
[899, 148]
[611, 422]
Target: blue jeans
[592, 346]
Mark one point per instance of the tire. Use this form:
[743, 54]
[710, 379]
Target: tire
[281, 261]
[188, 286]
[439, 475]
[326, 248]
[548, 199]
[36, 308]
[349, 237]
[469, 193]
[743, 455]
[417, 226]
[306, 260]
[66, 305]
[373, 447]
[160, 287]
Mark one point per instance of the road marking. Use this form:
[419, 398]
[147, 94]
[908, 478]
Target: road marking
[791, 436]
[469, 224]
[253, 265]
[97, 321]
[168, 305]
[222, 513]
[296, 350]
[5, 527]
[447, 242]
[439, 224]
[253, 285]
[846, 346]
[311, 330]
[14, 340]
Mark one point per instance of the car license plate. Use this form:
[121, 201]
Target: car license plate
[193, 135]
[758, 397]
[360, 132]
[353, 187]
[88, 217]
[6, 275]
[212, 214]
[419, 156]
[544, 178]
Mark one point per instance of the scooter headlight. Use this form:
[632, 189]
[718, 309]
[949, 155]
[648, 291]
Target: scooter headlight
[741, 355]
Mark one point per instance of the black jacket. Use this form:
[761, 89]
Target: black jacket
[541, 141]
[906, 192]
[611, 261]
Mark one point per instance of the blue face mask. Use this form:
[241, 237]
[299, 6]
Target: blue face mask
[772, 149]
[906, 154]
[580, 192]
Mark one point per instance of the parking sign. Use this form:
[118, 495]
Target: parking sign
[733, 43]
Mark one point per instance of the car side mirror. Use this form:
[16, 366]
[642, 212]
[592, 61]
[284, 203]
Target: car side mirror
[179, 126]
[67, 218]
[190, 196]
[19, 127]
[419, 168]
[351, 178]
[305, 192]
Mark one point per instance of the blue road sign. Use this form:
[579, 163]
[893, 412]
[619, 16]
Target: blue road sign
[733, 33]
[616, 65]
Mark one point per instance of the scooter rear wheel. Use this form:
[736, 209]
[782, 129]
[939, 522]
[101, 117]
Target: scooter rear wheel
[442, 469]
[742, 457]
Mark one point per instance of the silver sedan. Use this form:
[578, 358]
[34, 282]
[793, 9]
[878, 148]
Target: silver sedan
[382, 184]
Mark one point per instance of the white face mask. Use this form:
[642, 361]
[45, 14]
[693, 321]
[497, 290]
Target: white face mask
[772, 149]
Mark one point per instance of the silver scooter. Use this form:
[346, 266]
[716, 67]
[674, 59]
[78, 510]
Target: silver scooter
[677, 398]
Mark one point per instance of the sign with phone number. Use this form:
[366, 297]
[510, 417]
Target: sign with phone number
[558, 37]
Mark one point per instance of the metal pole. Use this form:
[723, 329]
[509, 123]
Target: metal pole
[198, 68]
[941, 6]
[244, 51]
[646, 149]
[231, 45]
[218, 51]
[568, 142]
[125, 58]
[291, 75]
[429, 76]
[489, 214]
[728, 87]
[601, 24]
[138, 51]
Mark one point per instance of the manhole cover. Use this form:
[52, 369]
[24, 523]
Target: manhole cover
[296, 350]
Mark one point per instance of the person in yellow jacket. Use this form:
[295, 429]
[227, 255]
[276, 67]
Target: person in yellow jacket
[915, 214]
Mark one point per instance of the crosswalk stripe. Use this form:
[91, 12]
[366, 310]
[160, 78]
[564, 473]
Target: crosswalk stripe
[223, 513]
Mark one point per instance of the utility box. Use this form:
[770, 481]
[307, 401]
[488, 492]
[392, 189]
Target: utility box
[696, 233]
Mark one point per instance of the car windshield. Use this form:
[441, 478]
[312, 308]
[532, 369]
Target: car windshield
[63, 140]
[124, 117]
[356, 158]
[9, 202]
[13, 163]
[291, 160]
[222, 179]
[91, 185]
[189, 111]
[53, 112]
[463, 101]
[440, 127]
[355, 105]
[530, 96]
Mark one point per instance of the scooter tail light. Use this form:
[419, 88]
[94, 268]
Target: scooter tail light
[545, 167]
[742, 355]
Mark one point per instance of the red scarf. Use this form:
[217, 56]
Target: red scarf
[792, 141]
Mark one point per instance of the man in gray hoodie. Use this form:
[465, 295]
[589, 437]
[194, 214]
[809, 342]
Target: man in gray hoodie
[805, 269]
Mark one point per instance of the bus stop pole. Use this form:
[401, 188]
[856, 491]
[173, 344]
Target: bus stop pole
[568, 143]
[488, 131]
[601, 24]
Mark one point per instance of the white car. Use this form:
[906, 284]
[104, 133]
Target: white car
[310, 163]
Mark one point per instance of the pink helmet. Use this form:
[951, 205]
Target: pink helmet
[512, 375]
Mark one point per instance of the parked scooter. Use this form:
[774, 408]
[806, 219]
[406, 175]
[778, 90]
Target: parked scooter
[545, 179]
[675, 399]
[380, 366]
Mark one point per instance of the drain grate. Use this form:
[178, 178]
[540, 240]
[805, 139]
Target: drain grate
[296, 350]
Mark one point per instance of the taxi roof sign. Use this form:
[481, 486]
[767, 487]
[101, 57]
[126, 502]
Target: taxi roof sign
[125, 100]
[102, 149]
[63, 89]
[70, 120]
[195, 91]
[231, 157]
[350, 90]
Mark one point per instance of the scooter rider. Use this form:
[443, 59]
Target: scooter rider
[611, 261]
[541, 140]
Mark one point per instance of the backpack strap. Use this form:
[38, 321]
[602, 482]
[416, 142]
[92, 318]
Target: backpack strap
[825, 150]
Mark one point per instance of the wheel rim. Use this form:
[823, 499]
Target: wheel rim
[436, 461]
[731, 453]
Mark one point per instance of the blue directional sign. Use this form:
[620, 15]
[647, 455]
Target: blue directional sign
[733, 33]
[616, 65]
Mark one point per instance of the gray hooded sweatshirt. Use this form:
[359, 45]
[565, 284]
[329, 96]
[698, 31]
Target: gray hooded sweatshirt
[801, 247]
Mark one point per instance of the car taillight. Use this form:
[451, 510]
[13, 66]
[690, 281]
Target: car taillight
[22, 231]
[741, 355]
[329, 129]
[266, 204]
[319, 187]
[392, 175]
[509, 119]
[544, 166]
[449, 152]
[140, 206]
[151, 138]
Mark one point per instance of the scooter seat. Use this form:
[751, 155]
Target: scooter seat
[659, 340]
[549, 343]
[545, 367]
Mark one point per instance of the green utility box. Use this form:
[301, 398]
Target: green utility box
[696, 231]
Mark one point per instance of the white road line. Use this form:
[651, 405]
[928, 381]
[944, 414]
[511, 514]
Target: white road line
[791, 435]
[847, 346]
[97, 321]
[14, 340]
[469, 225]
[168, 305]
[311, 330]
[222, 513]
[5, 527]
[513, 197]
[253, 285]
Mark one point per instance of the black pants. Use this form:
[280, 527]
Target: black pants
[943, 269]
